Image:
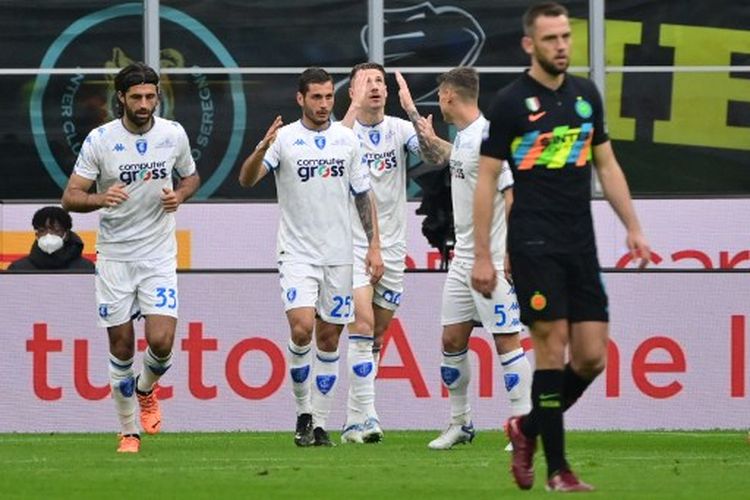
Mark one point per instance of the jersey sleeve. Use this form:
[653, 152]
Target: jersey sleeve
[496, 140]
[273, 154]
[359, 179]
[505, 180]
[87, 164]
[600, 129]
[184, 163]
[409, 136]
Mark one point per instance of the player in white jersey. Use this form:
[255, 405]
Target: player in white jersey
[498, 313]
[317, 164]
[132, 160]
[386, 142]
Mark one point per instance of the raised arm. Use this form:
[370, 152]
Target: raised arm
[433, 149]
[358, 95]
[617, 193]
[252, 169]
[368, 215]
[76, 197]
[483, 276]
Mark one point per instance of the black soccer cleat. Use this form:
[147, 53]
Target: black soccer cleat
[321, 437]
[303, 434]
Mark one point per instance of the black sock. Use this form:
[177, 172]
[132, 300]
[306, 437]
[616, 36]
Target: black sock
[573, 387]
[547, 415]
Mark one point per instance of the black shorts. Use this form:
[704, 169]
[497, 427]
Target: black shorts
[559, 286]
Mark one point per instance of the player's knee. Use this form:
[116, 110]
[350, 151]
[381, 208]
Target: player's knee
[590, 367]
[302, 333]
[362, 326]
[121, 348]
[162, 346]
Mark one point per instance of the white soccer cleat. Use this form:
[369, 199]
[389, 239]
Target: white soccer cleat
[372, 433]
[352, 434]
[509, 446]
[453, 435]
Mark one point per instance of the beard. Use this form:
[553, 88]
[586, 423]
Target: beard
[315, 118]
[138, 120]
[551, 68]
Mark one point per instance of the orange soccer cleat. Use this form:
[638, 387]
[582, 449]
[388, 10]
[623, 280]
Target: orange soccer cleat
[150, 412]
[129, 443]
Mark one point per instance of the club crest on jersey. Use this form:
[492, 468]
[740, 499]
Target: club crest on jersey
[320, 141]
[141, 145]
[532, 104]
[583, 108]
[374, 136]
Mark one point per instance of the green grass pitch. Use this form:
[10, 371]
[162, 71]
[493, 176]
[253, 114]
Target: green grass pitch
[621, 465]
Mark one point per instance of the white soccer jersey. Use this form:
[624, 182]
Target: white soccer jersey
[315, 172]
[384, 148]
[139, 228]
[464, 165]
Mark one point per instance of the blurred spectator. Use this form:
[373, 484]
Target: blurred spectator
[56, 245]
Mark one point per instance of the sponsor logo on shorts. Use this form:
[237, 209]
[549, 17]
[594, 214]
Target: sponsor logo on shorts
[538, 301]
[392, 297]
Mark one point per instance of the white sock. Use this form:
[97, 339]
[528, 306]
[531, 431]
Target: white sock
[517, 377]
[153, 369]
[300, 359]
[456, 374]
[122, 382]
[325, 374]
[360, 366]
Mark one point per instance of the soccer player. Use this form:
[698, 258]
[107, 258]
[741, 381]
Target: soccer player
[549, 126]
[317, 163]
[496, 309]
[132, 161]
[386, 141]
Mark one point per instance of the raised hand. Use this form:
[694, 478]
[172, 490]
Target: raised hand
[404, 94]
[270, 136]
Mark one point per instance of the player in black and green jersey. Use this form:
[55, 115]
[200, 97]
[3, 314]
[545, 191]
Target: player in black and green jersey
[549, 126]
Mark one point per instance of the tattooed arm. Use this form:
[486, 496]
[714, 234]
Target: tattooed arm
[368, 215]
[434, 149]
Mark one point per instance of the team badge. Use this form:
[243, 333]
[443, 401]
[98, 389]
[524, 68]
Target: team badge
[291, 294]
[583, 108]
[532, 104]
[538, 301]
[103, 312]
[320, 141]
[374, 136]
[141, 145]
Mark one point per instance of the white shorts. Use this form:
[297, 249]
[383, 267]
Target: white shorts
[326, 288]
[387, 291]
[126, 289]
[498, 315]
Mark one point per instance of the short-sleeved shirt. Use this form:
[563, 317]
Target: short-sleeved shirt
[547, 138]
[464, 165]
[138, 228]
[316, 172]
[385, 148]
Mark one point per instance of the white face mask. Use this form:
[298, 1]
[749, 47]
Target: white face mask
[50, 243]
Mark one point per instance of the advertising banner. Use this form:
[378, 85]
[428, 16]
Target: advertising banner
[684, 234]
[678, 357]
